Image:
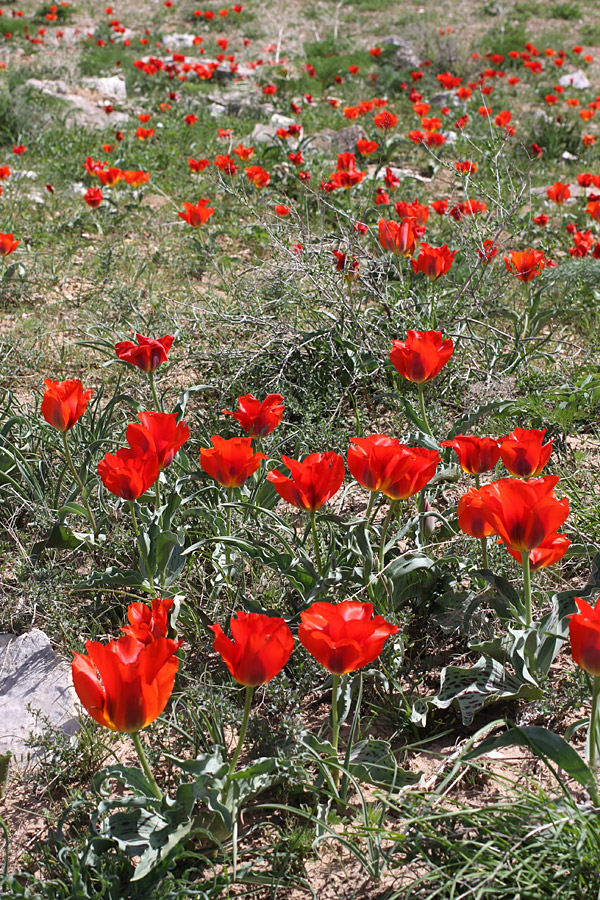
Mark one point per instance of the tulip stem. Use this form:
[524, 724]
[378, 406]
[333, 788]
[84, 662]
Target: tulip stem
[243, 730]
[145, 766]
[142, 548]
[484, 553]
[384, 531]
[526, 586]
[425, 420]
[335, 724]
[228, 528]
[79, 482]
[313, 525]
[370, 506]
[592, 743]
[154, 392]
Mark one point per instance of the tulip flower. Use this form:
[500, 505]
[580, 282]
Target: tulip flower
[550, 551]
[109, 177]
[258, 419]
[136, 178]
[398, 238]
[260, 648]
[523, 453]
[63, 404]
[526, 264]
[584, 632]
[471, 515]
[126, 684]
[230, 462]
[147, 623]
[311, 484]
[259, 177]
[196, 215]
[475, 455]
[559, 192]
[8, 244]
[382, 463]
[524, 514]
[158, 433]
[343, 637]
[433, 261]
[147, 354]
[421, 356]
[129, 473]
[93, 197]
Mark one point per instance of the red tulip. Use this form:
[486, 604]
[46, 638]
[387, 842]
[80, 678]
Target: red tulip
[381, 463]
[64, 403]
[8, 244]
[584, 631]
[312, 482]
[129, 473]
[523, 454]
[147, 623]
[398, 238]
[136, 178]
[471, 515]
[260, 648]
[158, 433]
[109, 177]
[259, 177]
[524, 513]
[421, 356]
[93, 197]
[475, 455]
[147, 354]
[196, 215]
[230, 462]
[550, 551]
[433, 261]
[126, 684]
[525, 264]
[559, 192]
[256, 418]
[343, 636]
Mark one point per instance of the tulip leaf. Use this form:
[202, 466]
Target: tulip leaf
[372, 761]
[111, 577]
[61, 538]
[546, 745]
[468, 420]
[472, 689]
[131, 778]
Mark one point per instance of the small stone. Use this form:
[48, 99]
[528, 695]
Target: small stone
[32, 674]
[577, 80]
[344, 141]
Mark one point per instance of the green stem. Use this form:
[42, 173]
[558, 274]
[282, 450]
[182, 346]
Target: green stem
[425, 420]
[142, 548]
[592, 736]
[384, 531]
[228, 528]
[526, 586]
[243, 730]
[135, 737]
[79, 482]
[484, 553]
[154, 392]
[315, 536]
[335, 739]
[370, 505]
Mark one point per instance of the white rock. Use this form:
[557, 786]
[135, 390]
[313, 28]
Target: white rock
[32, 674]
[178, 40]
[110, 86]
[577, 80]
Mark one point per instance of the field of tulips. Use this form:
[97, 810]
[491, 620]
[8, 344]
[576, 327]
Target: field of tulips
[299, 447]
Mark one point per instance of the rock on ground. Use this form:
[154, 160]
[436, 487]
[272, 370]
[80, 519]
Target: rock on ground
[32, 675]
[576, 80]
